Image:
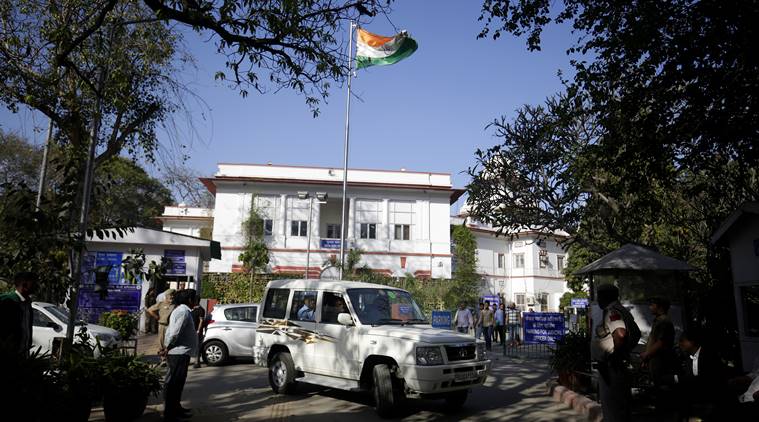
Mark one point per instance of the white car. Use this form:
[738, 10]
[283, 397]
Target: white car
[229, 332]
[363, 337]
[49, 324]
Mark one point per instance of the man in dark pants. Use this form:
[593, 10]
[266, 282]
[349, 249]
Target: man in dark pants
[181, 343]
[16, 315]
[616, 335]
[659, 357]
[199, 319]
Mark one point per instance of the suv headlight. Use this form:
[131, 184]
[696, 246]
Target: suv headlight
[481, 352]
[429, 356]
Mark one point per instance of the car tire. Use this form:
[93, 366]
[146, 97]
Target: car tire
[387, 393]
[455, 401]
[215, 353]
[282, 373]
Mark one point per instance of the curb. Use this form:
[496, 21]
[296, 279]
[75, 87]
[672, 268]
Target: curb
[579, 403]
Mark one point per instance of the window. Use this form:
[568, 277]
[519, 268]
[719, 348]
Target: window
[242, 313]
[368, 231]
[40, 320]
[543, 258]
[750, 299]
[542, 299]
[401, 218]
[298, 228]
[297, 216]
[333, 305]
[402, 232]
[268, 227]
[501, 260]
[333, 231]
[560, 263]
[385, 306]
[520, 300]
[276, 303]
[304, 306]
[368, 217]
[518, 260]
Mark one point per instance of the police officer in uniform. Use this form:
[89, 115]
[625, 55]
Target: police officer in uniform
[616, 335]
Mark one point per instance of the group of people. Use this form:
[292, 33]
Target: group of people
[692, 382]
[181, 327]
[493, 322]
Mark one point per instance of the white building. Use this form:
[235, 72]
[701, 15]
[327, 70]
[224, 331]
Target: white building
[398, 219]
[187, 220]
[527, 270]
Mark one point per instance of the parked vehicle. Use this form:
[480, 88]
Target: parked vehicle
[49, 325]
[230, 332]
[363, 337]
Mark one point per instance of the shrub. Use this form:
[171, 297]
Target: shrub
[122, 321]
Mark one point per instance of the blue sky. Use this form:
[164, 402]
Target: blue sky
[427, 113]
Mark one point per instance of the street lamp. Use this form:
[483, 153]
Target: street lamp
[322, 198]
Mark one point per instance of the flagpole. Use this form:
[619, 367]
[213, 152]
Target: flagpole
[345, 148]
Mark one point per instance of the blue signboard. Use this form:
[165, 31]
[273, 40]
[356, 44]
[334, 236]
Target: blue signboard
[178, 264]
[124, 297]
[579, 302]
[543, 327]
[442, 319]
[101, 259]
[329, 243]
[493, 299]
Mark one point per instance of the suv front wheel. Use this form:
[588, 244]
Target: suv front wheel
[282, 373]
[387, 394]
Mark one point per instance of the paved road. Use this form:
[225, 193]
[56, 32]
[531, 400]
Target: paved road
[514, 391]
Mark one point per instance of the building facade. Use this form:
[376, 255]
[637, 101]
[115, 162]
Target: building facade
[527, 270]
[398, 219]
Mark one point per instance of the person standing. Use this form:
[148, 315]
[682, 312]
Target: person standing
[500, 323]
[162, 311]
[478, 321]
[199, 319]
[16, 315]
[487, 321]
[150, 300]
[659, 355]
[181, 343]
[512, 323]
[616, 336]
[463, 319]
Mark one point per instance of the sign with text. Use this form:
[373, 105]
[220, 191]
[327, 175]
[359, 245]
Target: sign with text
[442, 319]
[579, 302]
[102, 259]
[178, 265]
[493, 299]
[543, 327]
[329, 243]
[124, 297]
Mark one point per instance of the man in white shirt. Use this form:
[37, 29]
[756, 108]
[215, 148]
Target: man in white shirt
[181, 343]
[463, 319]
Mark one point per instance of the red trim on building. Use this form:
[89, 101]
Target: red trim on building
[313, 272]
[423, 274]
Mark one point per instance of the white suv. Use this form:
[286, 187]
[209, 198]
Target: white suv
[363, 337]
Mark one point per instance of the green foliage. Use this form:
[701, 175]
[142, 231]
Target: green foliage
[129, 373]
[236, 287]
[255, 255]
[122, 321]
[19, 160]
[134, 266]
[465, 282]
[572, 353]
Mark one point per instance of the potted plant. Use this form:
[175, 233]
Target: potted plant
[570, 356]
[127, 381]
[122, 321]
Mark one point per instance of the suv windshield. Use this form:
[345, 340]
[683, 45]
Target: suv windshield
[385, 306]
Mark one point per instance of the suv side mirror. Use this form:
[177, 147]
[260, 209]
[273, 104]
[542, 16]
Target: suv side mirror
[345, 319]
[57, 328]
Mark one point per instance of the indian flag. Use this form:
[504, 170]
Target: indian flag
[375, 49]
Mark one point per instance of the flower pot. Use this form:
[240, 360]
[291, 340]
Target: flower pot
[123, 405]
[78, 410]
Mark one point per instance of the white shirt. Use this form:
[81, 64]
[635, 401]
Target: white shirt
[464, 318]
[748, 396]
[181, 332]
[695, 362]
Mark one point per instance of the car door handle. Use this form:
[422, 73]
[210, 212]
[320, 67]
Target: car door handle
[226, 329]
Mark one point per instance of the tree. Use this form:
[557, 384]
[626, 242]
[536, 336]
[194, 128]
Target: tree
[127, 196]
[186, 186]
[465, 280]
[19, 160]
[255, 255]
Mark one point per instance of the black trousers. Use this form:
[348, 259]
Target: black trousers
[615, 391]
[174, 384]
